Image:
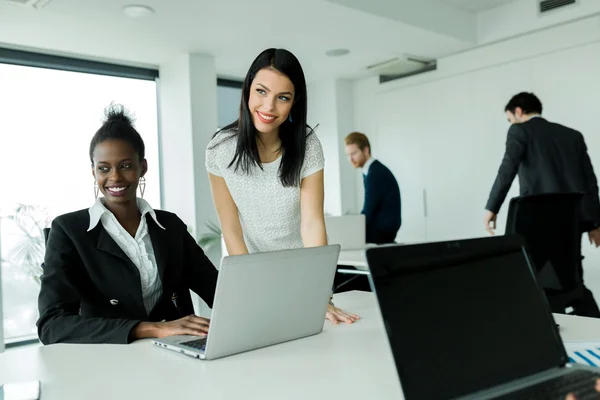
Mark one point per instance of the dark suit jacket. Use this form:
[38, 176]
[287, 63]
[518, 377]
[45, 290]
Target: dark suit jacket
[84, 271]
[382, 207]
[549, 158]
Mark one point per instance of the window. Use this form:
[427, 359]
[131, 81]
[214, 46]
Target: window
[48, 119]
[229, 94]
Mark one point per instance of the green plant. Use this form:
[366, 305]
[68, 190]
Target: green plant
[210, 238]
[28, 253]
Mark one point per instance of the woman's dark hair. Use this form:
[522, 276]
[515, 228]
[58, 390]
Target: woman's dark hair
[117, 124]
[292, 134]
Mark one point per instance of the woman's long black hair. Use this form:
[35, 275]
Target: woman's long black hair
[292, 134]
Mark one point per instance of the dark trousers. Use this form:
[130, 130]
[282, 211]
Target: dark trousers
[348, 282]
[379, 237]
[586, 306]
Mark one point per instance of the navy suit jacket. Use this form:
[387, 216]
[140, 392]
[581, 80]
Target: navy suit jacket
[382, 208]
[91, 291]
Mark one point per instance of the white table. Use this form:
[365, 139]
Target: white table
[345, 362]
[578, 329]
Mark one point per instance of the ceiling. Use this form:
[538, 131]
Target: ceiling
[235, 31]
[477, 5]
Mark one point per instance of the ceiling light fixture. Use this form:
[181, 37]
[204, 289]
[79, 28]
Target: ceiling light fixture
[137, 10]
[337, 52]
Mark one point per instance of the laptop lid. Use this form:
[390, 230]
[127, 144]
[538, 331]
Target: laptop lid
[463, 316]
[266, 298]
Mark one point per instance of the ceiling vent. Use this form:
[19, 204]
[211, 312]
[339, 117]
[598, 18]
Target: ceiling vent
[400, 67]
[37, 4]
[549, 5]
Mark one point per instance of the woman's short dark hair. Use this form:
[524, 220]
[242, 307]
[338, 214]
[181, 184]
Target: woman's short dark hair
[118, 124]
[292, 133]
[527, 102]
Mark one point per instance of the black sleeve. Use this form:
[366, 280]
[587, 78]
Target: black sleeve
[513, 155]
[59, 299]
[590, 203]
[199, 270]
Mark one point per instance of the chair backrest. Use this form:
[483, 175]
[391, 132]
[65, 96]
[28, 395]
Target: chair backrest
[550, 224]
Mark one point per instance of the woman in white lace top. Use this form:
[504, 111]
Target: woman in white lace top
[266, 168]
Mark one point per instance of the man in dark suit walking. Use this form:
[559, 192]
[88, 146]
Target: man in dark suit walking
[381, 207]
[549, 158]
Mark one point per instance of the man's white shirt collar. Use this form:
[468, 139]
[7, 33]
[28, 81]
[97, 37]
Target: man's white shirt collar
[365, 168]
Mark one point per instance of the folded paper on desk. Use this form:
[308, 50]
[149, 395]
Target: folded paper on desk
[586, 353]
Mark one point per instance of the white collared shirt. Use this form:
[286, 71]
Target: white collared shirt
[365, 168]
[139, 248]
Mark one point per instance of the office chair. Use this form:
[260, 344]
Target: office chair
[550, 224]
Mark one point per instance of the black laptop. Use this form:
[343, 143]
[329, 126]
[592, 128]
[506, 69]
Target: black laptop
[466, 320]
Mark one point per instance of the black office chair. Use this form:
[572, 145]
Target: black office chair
[550, 224]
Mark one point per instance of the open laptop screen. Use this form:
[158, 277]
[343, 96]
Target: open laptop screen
[462, 316]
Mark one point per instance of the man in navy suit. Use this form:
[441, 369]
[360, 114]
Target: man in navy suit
[381, 207]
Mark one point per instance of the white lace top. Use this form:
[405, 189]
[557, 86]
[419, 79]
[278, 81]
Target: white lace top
[269, 212]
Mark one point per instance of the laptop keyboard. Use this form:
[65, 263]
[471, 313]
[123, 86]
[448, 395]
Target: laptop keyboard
[581, 383]
[198, 344]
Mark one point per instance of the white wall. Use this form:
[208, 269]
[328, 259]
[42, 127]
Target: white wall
[330, 106]
[188, 114]
[522, 16]
[443, 132]
[2, 345]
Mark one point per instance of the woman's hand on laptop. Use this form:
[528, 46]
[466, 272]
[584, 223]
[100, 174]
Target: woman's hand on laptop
[337, 315]
[190, 325]
[571, 396]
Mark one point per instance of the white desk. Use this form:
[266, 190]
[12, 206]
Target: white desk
[346, 362]
[578, 329]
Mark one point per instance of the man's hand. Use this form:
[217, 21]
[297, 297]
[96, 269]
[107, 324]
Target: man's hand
[337, 315]
[489, 221]
[594, 237]
[571, 396]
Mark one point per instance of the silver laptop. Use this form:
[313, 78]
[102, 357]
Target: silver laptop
[255, 296]
[466, 319]
[347, 230]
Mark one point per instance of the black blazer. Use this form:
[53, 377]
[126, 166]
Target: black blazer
[382, 207]
[549, 158]
[91, 291]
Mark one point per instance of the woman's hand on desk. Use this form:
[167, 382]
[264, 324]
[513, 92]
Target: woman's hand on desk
[190, 325]
[337, 315]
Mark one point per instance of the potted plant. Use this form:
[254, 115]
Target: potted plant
[28, 253]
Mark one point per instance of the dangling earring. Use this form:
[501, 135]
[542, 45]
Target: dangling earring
[142, 186]
[96, 188]
[290, 117]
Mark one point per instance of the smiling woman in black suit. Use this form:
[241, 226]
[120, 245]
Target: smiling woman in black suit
[121, 271]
